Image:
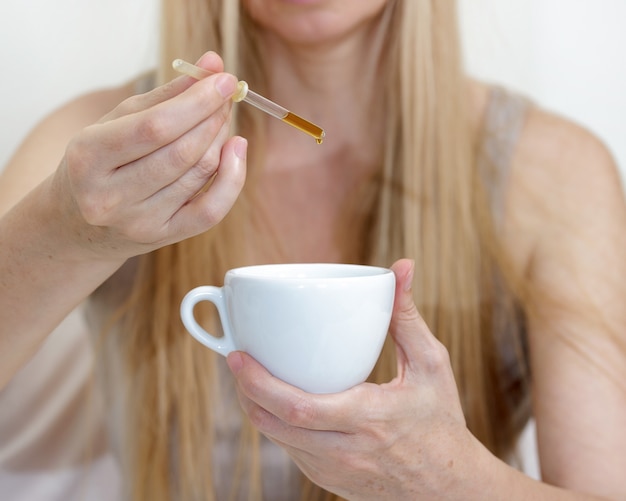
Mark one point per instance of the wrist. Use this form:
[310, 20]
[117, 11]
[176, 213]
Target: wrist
[485, 477]
[70, 238]
[476, 474]
[40, 229]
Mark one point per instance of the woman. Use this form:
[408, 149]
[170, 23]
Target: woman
[513, 220]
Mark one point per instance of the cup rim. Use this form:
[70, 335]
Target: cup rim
[350, 271]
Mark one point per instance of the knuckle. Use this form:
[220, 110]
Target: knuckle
[93, 201]
[358, 463]
[193, 188]
[98, 209]
[381, 434]
[207, 165]
[164, 91]
[258, 416]
[183, 152]
[78, 156]
[128, 106]
[211, 215]
[437, 358]
[138, 230]
[300, 413]
[201, 172]
[153, 129]
[410, 313]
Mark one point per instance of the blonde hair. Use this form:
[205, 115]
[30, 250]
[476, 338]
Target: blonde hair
[427, 202]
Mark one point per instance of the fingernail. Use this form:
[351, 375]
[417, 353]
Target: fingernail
[226, 85]
[234, 361]
[241, 148]
[408, 285]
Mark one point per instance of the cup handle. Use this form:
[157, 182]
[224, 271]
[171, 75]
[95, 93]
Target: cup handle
[222, 345]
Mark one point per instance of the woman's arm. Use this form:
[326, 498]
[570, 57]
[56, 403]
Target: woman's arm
[125, 186]
[35, 160]
[569, 196]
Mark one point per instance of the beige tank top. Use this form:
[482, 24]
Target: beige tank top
[59, 442]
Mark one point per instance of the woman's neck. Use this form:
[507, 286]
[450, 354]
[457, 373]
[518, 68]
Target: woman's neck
[336, 86]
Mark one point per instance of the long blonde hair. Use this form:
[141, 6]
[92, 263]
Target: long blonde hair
[429, 203]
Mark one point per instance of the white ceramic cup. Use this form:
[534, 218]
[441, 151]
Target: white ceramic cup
[319, 327]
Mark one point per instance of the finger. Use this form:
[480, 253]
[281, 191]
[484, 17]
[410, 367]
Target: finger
[296, 440]
[417, 349]
[292, 407]
[274, 403]
[175, 173]
[209, 207]
[209, 61]
[131, 137]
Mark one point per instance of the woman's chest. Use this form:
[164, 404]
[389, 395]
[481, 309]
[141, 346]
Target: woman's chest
[311, 216]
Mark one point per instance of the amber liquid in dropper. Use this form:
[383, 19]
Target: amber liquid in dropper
[305, 126]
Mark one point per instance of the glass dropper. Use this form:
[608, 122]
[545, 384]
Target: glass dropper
[245, 94]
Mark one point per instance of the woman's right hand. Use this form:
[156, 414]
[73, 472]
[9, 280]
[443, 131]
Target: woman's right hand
[137, 180]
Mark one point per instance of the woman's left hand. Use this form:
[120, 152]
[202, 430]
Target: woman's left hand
[406, 439]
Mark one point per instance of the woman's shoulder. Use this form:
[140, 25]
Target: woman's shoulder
[564, 163]
[558, 174]
[556, 148]
[562, 177]
[546, 139]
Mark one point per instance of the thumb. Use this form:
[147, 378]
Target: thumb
[211, 61]
[409, 331]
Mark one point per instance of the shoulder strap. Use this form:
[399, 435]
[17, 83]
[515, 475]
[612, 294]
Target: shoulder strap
[504, 119]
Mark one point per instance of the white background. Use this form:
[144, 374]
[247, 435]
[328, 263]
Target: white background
[567, 55]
